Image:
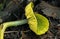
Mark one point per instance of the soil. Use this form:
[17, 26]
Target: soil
[16, 12]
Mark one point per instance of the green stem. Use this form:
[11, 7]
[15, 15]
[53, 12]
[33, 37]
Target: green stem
[8, 24]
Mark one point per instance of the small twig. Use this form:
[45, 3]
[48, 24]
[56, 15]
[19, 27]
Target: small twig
[10, 31]
[26, 31]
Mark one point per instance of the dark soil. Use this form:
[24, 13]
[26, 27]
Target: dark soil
[14, 10]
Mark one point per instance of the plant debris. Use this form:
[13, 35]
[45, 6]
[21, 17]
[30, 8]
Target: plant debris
[13, 10]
